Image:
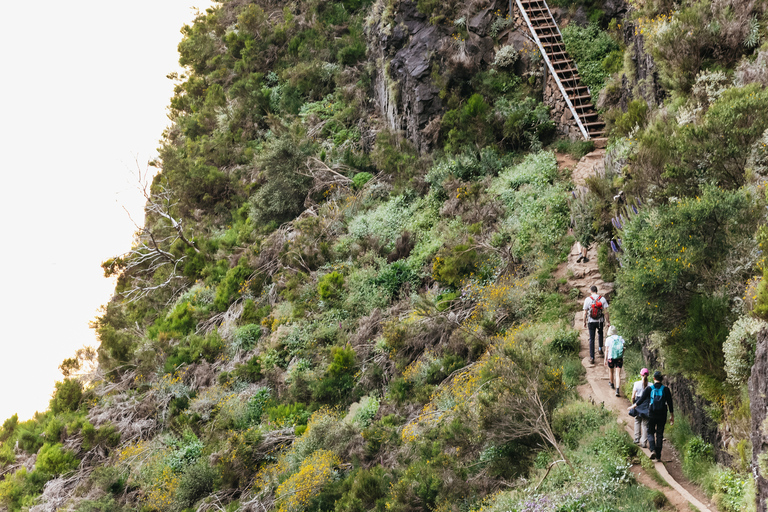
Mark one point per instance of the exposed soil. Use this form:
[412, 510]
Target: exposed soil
[582, 276]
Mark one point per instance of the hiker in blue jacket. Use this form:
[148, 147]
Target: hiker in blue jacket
[658, 398]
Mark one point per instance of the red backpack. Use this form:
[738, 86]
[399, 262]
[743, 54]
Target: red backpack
[596, 309]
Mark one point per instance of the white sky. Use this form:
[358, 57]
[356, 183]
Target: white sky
[84, 94]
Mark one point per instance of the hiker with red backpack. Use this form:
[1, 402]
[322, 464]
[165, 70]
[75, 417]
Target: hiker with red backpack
[595, 317]
[659, 399]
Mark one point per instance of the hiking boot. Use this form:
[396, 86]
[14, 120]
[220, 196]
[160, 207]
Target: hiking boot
[617, 393]
[586, 260]
[600, 352]
[653, 456]
[611, 384]
[636, 441]
[579, 259]
[644, 445]
[591, 360]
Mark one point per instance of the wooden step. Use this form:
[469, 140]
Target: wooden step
[579, 98]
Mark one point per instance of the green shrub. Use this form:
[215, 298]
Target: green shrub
[565, 342]
[54, 460]
[452, 266]
[9, 427]
[636, 113]
[367, 492]
[250, 371]
[576, 420]
[331, 286]
[237, 280]
[246, 337]
[698, 458]
[351, 54]
[193, 349]
[589, 47]
[288, 414]
[281, 196]
[739, 349]
[67, 396]
[196, 482]
[467, 125]
[338, 381]
[394, 276]
[607, 263]
[360, 179]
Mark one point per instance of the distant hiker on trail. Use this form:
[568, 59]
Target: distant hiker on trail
[641, 419]
[659, 399]
[595, 316]
[614, 360]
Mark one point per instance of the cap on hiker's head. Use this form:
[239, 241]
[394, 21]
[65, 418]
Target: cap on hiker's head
[658, 376]
[644, 371]
[611, 331]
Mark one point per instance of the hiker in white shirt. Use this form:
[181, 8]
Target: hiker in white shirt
[595, 317]
[614, 358]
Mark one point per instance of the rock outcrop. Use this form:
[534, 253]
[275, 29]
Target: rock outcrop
[758, 397]
[415, 60]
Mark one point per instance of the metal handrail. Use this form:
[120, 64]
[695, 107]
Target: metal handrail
[576, 116]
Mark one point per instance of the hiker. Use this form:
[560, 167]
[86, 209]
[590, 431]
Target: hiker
[595, 316]
[641, 418]
[659, 399]
[614, 360]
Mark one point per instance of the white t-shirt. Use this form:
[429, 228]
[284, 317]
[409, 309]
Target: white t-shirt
[637, 388]
[588, 304]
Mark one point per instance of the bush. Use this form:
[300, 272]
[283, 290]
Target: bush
[283, 190]
[565, 342]
[196, 482]
[338, 381]
[235, 282]
[54, 460]
[367, 492]
[360, 179]
[452, 266]
[576, 420]
[193, 349]
[588, 47]
[246, 337]
[250, 371]
[331, 286]
[739, 349]
[67, 396]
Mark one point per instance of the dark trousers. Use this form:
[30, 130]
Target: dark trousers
[595, 326]
[656, 433]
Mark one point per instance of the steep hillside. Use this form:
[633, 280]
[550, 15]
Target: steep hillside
[345, 295]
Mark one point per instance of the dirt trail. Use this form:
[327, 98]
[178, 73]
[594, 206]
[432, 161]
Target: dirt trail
[680, 492]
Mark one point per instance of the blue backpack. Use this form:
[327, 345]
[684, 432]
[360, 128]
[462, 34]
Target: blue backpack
[657, 399]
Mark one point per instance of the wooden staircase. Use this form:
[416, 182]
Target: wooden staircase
[547, 36]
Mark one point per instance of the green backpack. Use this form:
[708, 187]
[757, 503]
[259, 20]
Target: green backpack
[617, 347]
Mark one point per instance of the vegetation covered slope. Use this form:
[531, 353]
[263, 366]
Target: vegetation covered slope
[317, 316]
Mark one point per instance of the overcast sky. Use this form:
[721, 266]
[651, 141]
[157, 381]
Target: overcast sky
[85, 95]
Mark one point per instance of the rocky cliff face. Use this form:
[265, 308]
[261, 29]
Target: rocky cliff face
[415, 60]
[758, 396]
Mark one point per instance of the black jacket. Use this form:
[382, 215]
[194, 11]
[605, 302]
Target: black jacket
[666, 399]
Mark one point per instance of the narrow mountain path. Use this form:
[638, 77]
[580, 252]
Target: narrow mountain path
[680, 493]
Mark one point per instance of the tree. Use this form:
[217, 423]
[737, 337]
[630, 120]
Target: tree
[152, 263]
